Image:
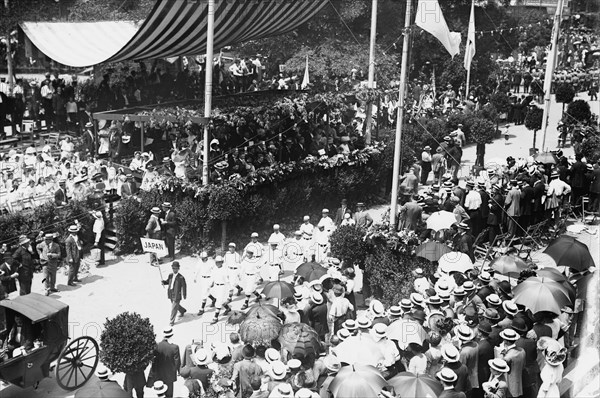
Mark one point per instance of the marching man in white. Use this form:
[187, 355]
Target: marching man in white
[293, 253]
[258, 251]
[277, 236]
[321, 245]
[275, 262]
[306, 227]
[327, 222]
[202, 276]
[219, 288]
[232, 262]
[249, 277]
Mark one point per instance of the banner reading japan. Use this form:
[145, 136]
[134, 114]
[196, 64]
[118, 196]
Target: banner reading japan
[154, 246]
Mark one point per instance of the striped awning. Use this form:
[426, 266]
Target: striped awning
[174, 27]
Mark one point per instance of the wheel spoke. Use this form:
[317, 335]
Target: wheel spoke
[82, 374]
[75, 373]
[70, 376]
[84, 352]
[88, 357]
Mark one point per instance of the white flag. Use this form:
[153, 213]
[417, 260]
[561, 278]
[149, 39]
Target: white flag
[430, 18]
[306, 79]
[470, 48]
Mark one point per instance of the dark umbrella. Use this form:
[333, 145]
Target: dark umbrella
[279, 289]
[357, 381]
[300, 339]
[263, 310]
[432, 251]
[541, 294]
[546, 158]
[408, 384]
[260, 330]
[101, 389]
[557, 276]
[311, 271]
[236, 317]
[508, 265]
[568, 251]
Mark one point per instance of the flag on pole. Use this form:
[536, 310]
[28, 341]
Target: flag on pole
[470, 48]
[430, 18]
[306, 79]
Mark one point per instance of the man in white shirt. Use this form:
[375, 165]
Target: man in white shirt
[294, 250]
[473, 207]
[327, 221]
[202, 276]
[460, 135]
[276, 237]
[306, 226]
[425, 164]
[137, 163]
[219, 287]
[249, 278]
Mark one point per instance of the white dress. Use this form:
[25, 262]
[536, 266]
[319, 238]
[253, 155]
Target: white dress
[551, 376]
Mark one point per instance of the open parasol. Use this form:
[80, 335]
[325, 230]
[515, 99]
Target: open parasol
[440, 220]
[278, 289]
[568, 251]
[263, 310]
[432, 251]
[361, 349]
[408, 384]
[357, 381]
[406, 332]
[260, 330]
[546, 158]
[541, 294]
[311, 271]
[455, 262]
[508, 265]
[300, 339]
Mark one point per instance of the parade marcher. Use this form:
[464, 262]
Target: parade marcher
[166, 363]
[321, 243]
[275, 262]
[73, 249]
[168, 224]
[203, 273]
[327, 222]
[22, 262]
[257, 248]
[231, 263]
[293, 253]
[177, 291]
[220, 288]
[50, 255]
[277, 236]
[153, 229]
[249, 277]
[306, 227]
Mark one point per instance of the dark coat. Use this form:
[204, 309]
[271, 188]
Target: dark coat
[462, 383]
[465, 245]
[10, 284]
[485, 352]
[539, 191]
[170, 224]
[452, 393]
[577, 172]
[179, 290]
[60, 197]
[23, 263]
[532, 368]
[166, 362]
[595, 180]
[527, 199]
[484, 208]
[72, 249]
[317, 318]
[195, 372]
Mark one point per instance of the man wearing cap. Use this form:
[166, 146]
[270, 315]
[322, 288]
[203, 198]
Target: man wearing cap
[129, 187]
[177, 291]
[293, 253]
[327, 222]
[203, 273]
[255, 246]
[49, 253]
[362, 218]
[249, 278]
[22, 262]
[168, 224]
[515, 358]
[276, 237]
[275, 262]
[306, 227]
[468, 352]
[219, 289]
[231, 262]
[448, 379]
[167, 361]
[341, 212]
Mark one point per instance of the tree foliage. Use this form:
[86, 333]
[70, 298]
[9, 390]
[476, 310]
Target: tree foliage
[482, 131]
[533, 119]
[579, 111]
[565, 93]
[348, 244]
[127, 343]
[590, 148]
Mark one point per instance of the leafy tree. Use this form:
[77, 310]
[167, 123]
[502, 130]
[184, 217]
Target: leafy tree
[127, 343]
[579, 112]
[348, 244]
[482, 130]
[590, 148]
[565, 94]
[533, 120]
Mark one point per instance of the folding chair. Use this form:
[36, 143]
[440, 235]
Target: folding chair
[587, 216]
[481, 247]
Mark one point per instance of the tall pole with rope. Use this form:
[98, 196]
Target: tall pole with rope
[550, 64]
[400, 116]
[370, 82]
[208, 71]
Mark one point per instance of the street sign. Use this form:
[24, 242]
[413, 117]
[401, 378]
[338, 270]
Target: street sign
[154, 246]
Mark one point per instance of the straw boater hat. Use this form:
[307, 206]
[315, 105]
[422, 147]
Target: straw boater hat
[298, 296]
[168, 332]
[362, 322]
[272, 355]
[74, 229]
[395, 311]
[434, 300]
[465, 333]
[349, 324]
[509, 334]
[378, 331]
[499, 365]
[510, 307]
[494, 300]
[447, 375]
[450, 353]
[294, 364]
[201, 357]
[377, 308]
[159, 387]
[332, 363]
[406, 304]
[343, 334]
[417, 299]
[278, 370]
[468, 286]
[155, 210]
[102, 372]
[303, 393]
[459, 292]
[284, 390]
[23, 240]
[484, 277]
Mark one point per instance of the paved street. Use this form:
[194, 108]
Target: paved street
[131, 284]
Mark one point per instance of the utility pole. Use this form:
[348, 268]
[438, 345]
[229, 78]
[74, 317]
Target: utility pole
[550, 64]
[369, 110]
[9, 60]
[208, 76]
[399, 118]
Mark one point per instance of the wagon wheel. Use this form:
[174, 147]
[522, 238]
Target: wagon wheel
[76, 363]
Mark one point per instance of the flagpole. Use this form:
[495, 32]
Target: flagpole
[470, 48]
[371, 80]
[550, 63]
[208, 83]
[400, 116]
[468, 81]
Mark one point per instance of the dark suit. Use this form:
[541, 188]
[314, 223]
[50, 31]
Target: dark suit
[410, 216]
[464, 244]
[9, 284]
[23, 263]
[200, 373]
[166, 364]
[73, 257]
[128, 189]
[339, 214]
[452, 393]
[527, 199]
[539, 191]
[485, 352]
[515, 358]
[317, 319]
[176, 293]
[462, 383]
[60, 197]
[532, 369]
[169, 227]
[595, 189]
